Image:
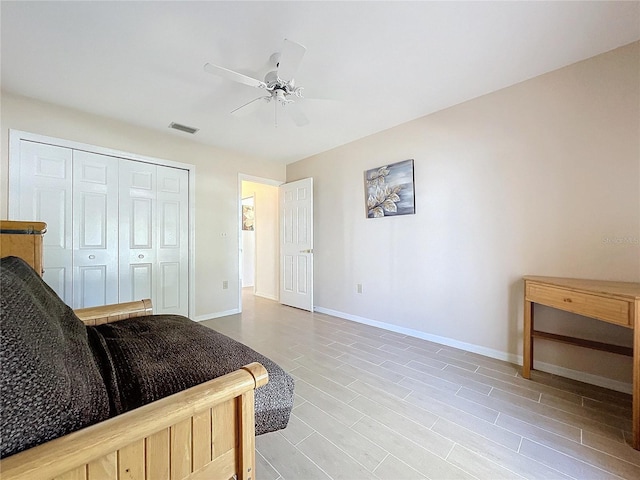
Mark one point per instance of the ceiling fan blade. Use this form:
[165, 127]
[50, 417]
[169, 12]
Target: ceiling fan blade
[290, 59]
[296, 114]
[234, 76]
[249, 107]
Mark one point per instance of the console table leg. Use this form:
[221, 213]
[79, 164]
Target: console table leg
[527, 352]
[636, 378]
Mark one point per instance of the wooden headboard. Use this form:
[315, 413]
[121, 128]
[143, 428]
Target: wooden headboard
[24, 240]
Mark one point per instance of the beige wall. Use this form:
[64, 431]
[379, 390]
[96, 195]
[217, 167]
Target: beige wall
[540, 178]
[217, 195]
[267, 241]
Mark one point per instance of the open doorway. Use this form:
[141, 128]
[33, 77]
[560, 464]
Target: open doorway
[248, 260]
[259, 238]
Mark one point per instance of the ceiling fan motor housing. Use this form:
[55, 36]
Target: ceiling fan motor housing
[281, 89]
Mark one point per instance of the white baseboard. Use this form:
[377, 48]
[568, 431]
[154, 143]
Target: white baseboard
[469, 347]
[267, 296]
[488, 352]
[211, 316]
[584, 377]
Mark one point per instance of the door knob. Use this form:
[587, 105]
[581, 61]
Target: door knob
[308, 250]
[91, 257]
[141, 256]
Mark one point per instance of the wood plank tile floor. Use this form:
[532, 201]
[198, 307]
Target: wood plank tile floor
[373, 404]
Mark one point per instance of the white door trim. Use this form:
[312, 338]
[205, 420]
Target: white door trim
[16, 136]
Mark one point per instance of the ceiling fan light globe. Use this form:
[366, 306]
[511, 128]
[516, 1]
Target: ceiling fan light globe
[274, 59]
[271, 77]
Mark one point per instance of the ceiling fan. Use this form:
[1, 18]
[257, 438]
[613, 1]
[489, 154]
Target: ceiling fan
[279, 84]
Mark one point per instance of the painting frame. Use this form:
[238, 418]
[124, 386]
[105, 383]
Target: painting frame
[390, 190]
[248, 218]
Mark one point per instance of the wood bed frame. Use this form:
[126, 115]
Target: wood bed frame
[24, 240]
[205, 432]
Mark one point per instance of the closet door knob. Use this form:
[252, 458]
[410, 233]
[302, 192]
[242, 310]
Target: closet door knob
[141, 256]
[91, 257]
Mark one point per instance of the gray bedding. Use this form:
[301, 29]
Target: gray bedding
[58, 376]
[148, 358]
[50, 384]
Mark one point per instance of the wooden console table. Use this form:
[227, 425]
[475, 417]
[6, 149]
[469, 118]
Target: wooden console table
[613, 302]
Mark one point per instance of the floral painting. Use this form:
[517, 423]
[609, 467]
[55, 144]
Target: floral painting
[248, 217]
[389, 190]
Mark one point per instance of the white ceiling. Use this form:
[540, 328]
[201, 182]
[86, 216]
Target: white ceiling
[380, 63]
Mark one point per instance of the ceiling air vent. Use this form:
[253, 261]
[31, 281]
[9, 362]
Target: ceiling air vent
[183, 128]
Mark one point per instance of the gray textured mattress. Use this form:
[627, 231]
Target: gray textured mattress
[147, 358]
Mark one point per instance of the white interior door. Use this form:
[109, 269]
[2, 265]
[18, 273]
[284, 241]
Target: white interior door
[95, 230]
[296, 244]
[40, 189]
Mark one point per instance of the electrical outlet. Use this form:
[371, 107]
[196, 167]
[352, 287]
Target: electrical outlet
[225, 284]
[359, 288]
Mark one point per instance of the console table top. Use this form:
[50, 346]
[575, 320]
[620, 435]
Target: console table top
[629, 290]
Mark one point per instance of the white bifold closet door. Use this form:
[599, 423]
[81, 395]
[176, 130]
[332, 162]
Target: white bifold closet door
[95, 230]
[154, 236]
[42, 191]
[117, 229]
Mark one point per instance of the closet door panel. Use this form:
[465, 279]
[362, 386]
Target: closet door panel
[170, 285]
[141, 223]
[55, 277]
[95, 219]
[172, 233]
[141, 278]
[137, 239]
[42, 192]
[50, 204]
[91, 285]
